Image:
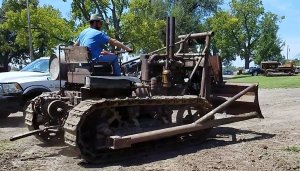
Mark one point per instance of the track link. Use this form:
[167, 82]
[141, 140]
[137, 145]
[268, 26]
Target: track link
[84, 108]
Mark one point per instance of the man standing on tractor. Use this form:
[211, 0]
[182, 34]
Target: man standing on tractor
[95, 40]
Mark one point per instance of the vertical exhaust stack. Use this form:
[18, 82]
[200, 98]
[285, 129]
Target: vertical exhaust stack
[168, 37]
[172, 37]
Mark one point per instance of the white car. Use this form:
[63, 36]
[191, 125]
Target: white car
[18, 87]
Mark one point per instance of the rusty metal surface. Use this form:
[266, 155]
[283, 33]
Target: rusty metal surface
[205, 83]
[197, 35]
[77, 54]
[38, 118]
[87, 106]
[168, 132]
[216, 68]
[33, 132]
[246, 103]
[78, 76]
[197, 125]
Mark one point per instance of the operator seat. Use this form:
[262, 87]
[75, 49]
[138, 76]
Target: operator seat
[81, 65]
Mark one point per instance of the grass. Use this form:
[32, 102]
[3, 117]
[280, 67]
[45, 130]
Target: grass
[269, 82]
[293, 149]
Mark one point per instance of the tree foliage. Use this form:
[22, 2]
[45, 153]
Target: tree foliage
[269, 45]
[144, 24]
[110, 10]
[242, 31]
[9, 49]
[145, 20]
[48, 30]
[245, 30]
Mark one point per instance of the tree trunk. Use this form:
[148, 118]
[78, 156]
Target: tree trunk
[5, 63]
[247, 62]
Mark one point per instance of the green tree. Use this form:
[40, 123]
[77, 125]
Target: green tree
[144, 17]
[190, 15]
[110, 10]
[145, 20]
[144, 23]
[9, 49]
[239, 31]
[48, 30]
[269, 46]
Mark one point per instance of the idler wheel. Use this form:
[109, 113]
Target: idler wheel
[37, 119]
[57, 109]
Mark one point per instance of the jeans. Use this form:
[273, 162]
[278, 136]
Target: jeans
[112, 59]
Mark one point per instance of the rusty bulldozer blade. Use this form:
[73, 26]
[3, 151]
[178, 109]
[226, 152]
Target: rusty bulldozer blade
[246, 103]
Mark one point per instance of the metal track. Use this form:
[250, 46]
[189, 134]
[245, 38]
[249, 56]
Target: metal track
[78, 114]
[30, 122]
[35, 111]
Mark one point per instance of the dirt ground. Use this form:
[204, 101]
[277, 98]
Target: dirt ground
[272, 143]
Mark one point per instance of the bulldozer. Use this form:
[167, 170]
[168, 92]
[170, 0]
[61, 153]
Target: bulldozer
[166, 97]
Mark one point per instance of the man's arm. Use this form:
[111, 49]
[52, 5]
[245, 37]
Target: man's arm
[115, 42]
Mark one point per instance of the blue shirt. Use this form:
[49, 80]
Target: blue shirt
[94, 40]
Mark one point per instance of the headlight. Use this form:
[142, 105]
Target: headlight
[6, 88]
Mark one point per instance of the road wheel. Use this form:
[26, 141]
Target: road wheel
[254, 73]
[267, 73]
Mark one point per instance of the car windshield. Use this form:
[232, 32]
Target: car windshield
[39, 65]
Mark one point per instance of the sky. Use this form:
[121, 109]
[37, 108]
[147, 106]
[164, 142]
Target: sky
[289, 30]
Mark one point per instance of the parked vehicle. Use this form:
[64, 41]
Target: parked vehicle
[297, 69]
[274, 68]
[254, 71]
[228, 72]
[18, 87]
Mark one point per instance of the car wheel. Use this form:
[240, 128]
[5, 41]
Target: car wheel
[255, 73]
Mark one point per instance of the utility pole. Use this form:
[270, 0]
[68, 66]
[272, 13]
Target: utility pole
[29, 32]
[287, 52]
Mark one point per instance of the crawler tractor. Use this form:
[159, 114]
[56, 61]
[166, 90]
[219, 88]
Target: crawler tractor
[162, 99]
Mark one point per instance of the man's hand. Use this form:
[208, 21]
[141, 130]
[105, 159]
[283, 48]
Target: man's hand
[129, 50]
[104, 52]
[120, 45]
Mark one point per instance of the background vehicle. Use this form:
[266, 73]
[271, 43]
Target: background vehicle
[254, 71]
[274, 68]
[228, 72]
[297, 69]
[18, 87]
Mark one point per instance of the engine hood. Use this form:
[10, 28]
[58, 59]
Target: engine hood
[22, 77]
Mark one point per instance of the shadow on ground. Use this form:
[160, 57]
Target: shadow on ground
[12, 122]
[221, 136]
[236, 77]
